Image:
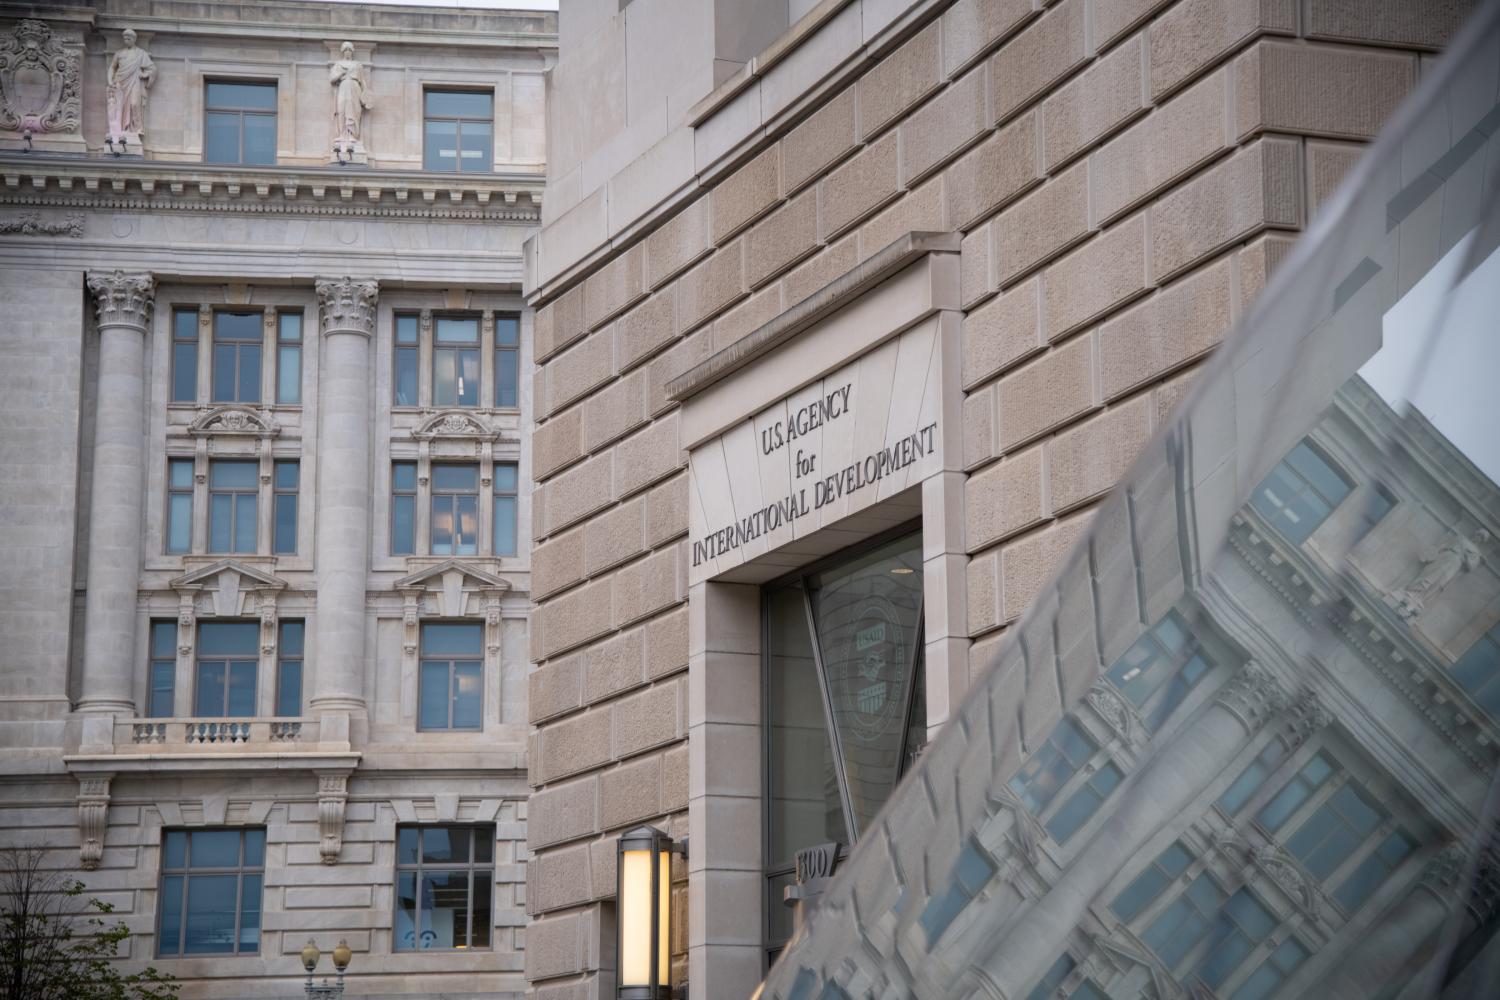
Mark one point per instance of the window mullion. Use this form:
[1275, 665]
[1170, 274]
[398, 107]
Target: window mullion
[835, 745]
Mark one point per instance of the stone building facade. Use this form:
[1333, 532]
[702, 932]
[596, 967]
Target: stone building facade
[267, 586]
[834, 296]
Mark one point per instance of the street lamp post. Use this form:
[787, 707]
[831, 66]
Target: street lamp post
[325, 990]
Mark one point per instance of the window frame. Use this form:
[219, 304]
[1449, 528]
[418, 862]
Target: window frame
[499, 496]
[187, 871]
[180, 461]
[455, 348]
[228, 660]
[285, 496]
[235, 493]
[1336, 468]
[414, 494]
[458, 120]
[177, 340]
[155, 658]
[284, 346]
[502, 350]
[433, 493]
[452, 662]
[415, 349]
[471, 867]
[239, 345]
[284, 659]
[274, 114]
[1157, 706]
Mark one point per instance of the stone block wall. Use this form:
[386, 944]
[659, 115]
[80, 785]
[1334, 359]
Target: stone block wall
[1124, 176]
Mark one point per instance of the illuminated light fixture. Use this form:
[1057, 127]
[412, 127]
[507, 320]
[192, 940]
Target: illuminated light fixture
[643, 900]
[903, 570]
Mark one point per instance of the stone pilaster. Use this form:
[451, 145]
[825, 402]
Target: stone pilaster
[123, 305]
[346, 308]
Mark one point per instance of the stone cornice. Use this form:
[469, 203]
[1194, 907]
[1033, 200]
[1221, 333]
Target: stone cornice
[152, 186]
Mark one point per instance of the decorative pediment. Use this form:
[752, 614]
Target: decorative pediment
[234, 421]
[446, 589]
[1126, 952]
[230, 583]
[453, 424]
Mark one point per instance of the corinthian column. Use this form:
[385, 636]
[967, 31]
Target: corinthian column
[347, 311]
[123, 305]
[1166, 785]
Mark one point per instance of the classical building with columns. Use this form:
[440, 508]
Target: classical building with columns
[266, 587]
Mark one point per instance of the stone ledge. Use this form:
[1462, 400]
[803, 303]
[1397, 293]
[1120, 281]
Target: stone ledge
[832, 296]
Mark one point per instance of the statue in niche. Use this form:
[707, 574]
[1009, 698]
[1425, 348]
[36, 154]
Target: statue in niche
[351, 99]
[130, 74]
[1440, 566]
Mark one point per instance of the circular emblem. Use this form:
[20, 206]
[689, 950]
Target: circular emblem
[875, 658]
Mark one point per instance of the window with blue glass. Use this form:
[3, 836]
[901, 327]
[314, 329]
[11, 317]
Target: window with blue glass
[1372, 872]
[445, 877]
[1478, 671]
[228, 653]
[971, 871]
[185, 356]
[455, 510]
[237, 353]
[458, 130]
[233, 488]
[1158, 877]
[1240, 926]
[1083, 803]
[1066, 751]
[210, 892]
[289, 357]
[1295, 792]
[289, 669]
[403, 508]
[1158, 671]
[179, 505]
[1300, 493]
[455, 361]
[1249, 781]
[451, 678]
[284, 504]
[1179, 928]
[406, 361]
[1053, 980]
[239, 122]
[162, 680]
[1275, 970]
[507, 361]
[505, 509]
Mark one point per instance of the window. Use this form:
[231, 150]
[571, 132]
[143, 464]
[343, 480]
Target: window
[455, 362]
[1252, 777]
[1478, 671]
[210, 892]
[232, 490]
[289, 357]
[1374, 870]
[972, 869]
[1274, 971]
[1067, 749]
[1083, 803]
[507, 360]
[455, 510]
[403, 508]
[458, 130]
[1300, 493]
[1087, 990]
[284, 506]
[1373, 507]
[237, 347]
[162, 682]
[1053, 980]
[227, 657]
[185, 356]
[1335, 829]
[289, 670]
[444, 886]
[451, 686]
[1158, 671]
[1182, 925]
[179, 505]
[404, 377]
[239, 123]
[1243, 923]
[505, 509]
[1151, 883]
[1297, 791]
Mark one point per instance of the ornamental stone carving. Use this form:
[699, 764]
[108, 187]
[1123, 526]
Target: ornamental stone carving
[1445, 871]
[333, 796]
[93, 817]
[1306, 716]
[351, 99]
[1440, 566]
[122, 299]
[347, 305]
[130, 74]
[1112, 709]
[453, 424]
[1284, 872]
[1252, 695]
[233, 421]
[39, 88]
[32, 224]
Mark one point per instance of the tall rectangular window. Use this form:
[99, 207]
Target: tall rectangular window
[1374, 870]
[232, 490]
[1067, 749]
[455, 510]
[1158, 671]
[505, 509]
[407, 358]
[1241, 925]
[1335, 830]
[450, 689]
[227, 657]
[1084, 802]
[1274, 971]
[179, 505]
[1151, 883]
[210, 892]
[971, 872]
[1297, 791]
[455, 362]
[163, 677]
[1300, 493]
[1182, 925]
[289, 670]
[284, 506]
[1053, 980]
[458, 130]
[289, 357]
[403, 508]
[445, 878]
[237, 348]
[1252, 777]
[185, 356]
[239, 122]
[1478, 671]
[507, 360]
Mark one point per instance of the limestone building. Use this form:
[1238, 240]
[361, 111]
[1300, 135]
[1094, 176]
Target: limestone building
[266, 585]
[849, 317]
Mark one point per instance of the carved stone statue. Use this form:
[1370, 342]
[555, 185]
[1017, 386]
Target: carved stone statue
[1440, 566]
[351, 99]
[130, 74]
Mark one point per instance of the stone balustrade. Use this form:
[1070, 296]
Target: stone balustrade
[213, 735]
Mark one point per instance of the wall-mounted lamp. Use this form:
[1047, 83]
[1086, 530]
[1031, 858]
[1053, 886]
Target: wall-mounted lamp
[341, 956]
[27, 136]
[643, 899]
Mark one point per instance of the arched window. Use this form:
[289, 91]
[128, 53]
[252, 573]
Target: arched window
[1300, 493]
